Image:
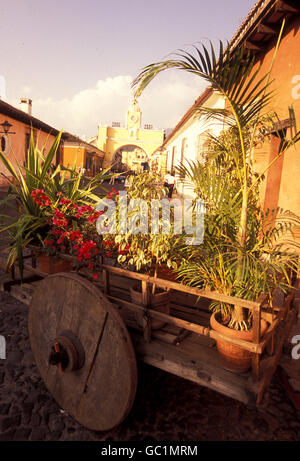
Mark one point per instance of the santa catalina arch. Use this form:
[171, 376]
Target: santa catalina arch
[131, 144]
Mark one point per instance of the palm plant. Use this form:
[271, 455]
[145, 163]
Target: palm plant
[247, 94]
[34, 174]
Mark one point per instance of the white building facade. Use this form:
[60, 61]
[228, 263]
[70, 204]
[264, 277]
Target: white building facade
[188, 140]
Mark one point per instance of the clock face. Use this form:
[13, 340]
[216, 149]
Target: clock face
[133, 118]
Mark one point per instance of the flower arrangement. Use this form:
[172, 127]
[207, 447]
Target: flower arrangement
[70, 229]
[145, 252]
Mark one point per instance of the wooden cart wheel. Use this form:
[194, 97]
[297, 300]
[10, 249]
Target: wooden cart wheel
[82, 350]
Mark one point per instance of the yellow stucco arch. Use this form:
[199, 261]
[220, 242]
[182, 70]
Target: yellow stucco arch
[111, 139]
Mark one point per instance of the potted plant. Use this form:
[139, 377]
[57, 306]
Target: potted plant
[240, 255]
[39, 174]
[145, 251]
[71, 229]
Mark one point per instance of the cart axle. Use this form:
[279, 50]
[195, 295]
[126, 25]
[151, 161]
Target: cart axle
[67, 352]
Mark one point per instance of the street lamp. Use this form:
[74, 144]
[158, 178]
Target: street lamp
[4, 140]
[6, 126]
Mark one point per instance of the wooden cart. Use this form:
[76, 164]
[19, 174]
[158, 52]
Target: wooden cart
[85, 339]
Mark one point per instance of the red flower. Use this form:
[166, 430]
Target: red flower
[75, 235]
[65, 201]
[95, 276]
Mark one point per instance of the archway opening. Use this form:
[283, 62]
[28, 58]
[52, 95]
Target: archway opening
[130, 157]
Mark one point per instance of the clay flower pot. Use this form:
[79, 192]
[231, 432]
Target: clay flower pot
[164, 272]
[234, 358]
[53, 265]
[159, 301]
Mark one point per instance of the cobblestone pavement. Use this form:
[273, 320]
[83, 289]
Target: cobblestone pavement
[166, 408]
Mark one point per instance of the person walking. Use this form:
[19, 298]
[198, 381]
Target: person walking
[169, 182]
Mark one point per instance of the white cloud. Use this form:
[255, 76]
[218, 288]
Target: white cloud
[163, 103]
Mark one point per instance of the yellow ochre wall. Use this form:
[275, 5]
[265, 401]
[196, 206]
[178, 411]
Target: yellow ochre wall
[110, 139]
[70, 153]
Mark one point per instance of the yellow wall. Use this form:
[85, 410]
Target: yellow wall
[70, 153]
[110, 139]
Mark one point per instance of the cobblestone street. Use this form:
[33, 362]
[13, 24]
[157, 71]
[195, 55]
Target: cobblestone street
[166, 408]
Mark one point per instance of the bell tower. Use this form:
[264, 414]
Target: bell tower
[134, 115]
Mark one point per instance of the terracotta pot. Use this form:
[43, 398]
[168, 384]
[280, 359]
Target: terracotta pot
[159, 302]
[52, 265]
[164, 272]
[234, 358]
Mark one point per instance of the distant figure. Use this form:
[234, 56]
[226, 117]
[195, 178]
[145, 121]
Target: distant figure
[169, 182]
[145, 166]
[126, 183]
[83, 171]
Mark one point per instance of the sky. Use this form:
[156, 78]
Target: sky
[76, 59]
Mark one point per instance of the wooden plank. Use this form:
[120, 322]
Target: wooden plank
[283, 6]
[256, 320]
[106, 282]
[185, 302]
[188, 325]
[166, 284]
[269, 366]
[178, 310]
[252, 46]
[183, 334]
[264, 29]
[146, 302]
[176, 360]
[195, 317]
[284, 310]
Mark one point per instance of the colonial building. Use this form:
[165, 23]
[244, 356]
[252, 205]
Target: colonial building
[188, 140]
[258, 34]
[76, 152]
[130, 146]
[15, 130]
